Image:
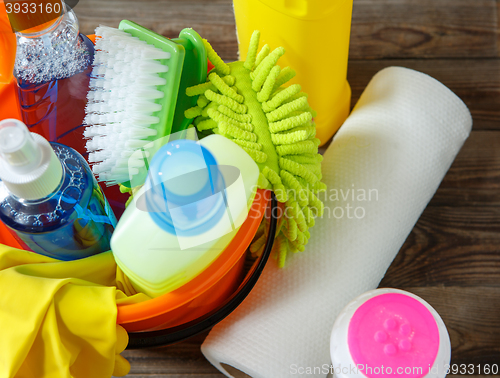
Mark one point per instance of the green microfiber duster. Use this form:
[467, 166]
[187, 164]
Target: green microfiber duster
[247, 103]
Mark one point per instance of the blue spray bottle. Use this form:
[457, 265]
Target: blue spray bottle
[49, 197]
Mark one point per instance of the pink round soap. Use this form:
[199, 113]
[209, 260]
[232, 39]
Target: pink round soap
[393, 335]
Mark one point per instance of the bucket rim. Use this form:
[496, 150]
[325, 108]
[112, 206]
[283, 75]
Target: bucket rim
[169, 336]
[132, 313]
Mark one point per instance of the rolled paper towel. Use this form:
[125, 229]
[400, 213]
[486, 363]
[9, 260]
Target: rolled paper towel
[382, 168]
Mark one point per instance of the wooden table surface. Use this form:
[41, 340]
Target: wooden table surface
[452, 257]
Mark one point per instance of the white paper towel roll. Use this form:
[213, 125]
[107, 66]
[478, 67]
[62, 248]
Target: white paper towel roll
[382, 169]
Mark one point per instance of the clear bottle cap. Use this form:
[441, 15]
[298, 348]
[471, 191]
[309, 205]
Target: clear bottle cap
[29, 168]
[17, 146]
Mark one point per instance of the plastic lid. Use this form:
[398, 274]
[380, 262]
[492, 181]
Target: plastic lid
[29, 168]
[185, 188]
[393, 334]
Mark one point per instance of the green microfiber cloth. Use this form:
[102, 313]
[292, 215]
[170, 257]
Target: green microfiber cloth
[247, 103]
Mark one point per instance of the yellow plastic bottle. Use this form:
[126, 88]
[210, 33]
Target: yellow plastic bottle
[315, 34]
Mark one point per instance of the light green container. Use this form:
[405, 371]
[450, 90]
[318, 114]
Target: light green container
[157, 261]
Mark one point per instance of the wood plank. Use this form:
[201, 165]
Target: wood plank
[498, 27]
[475, 81]
[212, 19]
[457, 246]
[474, 178]
[380, 28]
[424, 29]
[180, 360]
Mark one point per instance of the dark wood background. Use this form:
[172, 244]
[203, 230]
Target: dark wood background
[452, 257]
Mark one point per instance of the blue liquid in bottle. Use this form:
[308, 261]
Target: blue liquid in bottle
[72, 222]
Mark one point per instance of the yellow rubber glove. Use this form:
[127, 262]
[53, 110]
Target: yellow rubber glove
[58, 319]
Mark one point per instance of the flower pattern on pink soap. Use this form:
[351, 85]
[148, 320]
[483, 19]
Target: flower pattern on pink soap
[393, 334]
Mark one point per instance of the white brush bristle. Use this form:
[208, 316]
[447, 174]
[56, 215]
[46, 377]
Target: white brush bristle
[121, 102]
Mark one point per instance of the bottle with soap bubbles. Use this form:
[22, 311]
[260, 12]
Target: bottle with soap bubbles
[53, 66]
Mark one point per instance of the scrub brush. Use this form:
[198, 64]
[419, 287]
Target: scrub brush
[137, 96]
[247, 103]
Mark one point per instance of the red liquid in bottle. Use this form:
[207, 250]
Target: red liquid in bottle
[56, 111]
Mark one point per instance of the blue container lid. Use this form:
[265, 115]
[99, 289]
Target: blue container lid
[185, 194]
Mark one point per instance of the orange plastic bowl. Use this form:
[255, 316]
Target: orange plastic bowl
[205, 293]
